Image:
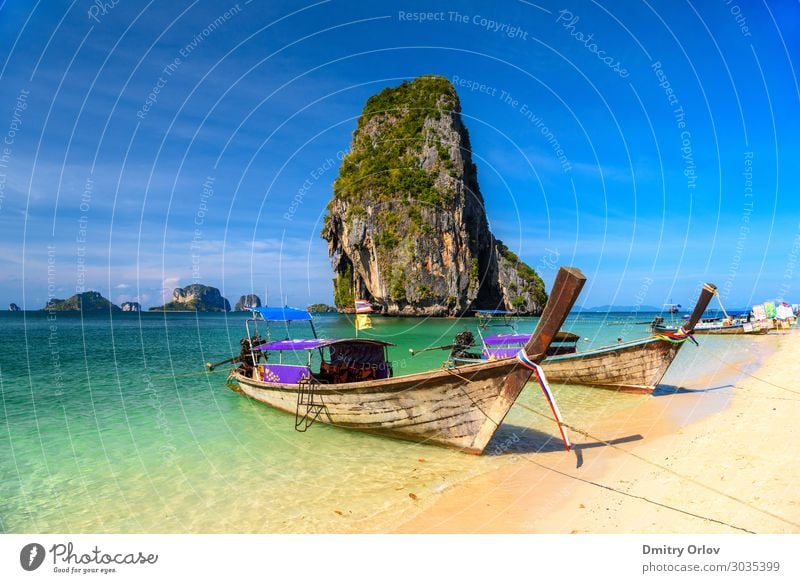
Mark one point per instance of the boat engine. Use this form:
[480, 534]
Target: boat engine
[247, 357]
[462, 342]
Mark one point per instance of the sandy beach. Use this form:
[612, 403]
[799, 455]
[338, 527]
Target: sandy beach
[718, 460]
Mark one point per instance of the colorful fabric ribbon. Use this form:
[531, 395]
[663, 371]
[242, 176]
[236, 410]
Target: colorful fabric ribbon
[522, 357]
[678, 337]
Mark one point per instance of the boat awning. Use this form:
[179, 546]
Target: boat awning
[314, 343]
[285, 314]
[304, 344]
[505, 339]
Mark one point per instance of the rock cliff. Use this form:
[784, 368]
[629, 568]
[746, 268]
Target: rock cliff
[247, 301]
[90, 301]
[131, 307]
[196, 297]
[406, 227]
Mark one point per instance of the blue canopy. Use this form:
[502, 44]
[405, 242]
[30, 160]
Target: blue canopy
[285, 314]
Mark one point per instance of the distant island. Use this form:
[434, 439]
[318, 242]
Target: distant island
[247, 301]
[13, 307]
[321, 308]
[406, 226]
[90, 301]
[195, 298]
[131, 307]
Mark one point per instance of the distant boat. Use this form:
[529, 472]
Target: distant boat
[354, 386]
[719, 326]
[636, 366]
[488, 318]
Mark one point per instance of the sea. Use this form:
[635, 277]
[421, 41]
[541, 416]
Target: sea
[113, 424]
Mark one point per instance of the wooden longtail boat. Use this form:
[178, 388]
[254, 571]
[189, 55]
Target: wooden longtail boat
[635, 366]
[717, 326]
[459, 407]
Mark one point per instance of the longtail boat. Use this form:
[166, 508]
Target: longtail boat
[635, 366]
[727, 325]
[720, 326]
[459, 407]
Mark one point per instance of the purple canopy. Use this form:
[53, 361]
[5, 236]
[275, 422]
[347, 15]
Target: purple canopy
[289, 344]
[312, 343]
[504, 339]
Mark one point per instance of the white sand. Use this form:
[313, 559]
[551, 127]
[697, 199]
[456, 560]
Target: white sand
[735, 469]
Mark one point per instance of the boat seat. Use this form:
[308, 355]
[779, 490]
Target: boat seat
[345, 372]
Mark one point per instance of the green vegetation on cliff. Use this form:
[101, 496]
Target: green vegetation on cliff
[383, 167]
[372, 165]
[532, 284]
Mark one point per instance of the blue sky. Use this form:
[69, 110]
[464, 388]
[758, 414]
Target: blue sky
[654, 145]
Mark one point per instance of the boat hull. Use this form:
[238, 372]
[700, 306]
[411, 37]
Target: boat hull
[732, 329]
[634, 366]
[459, 408]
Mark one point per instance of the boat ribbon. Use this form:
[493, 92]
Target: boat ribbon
[522, 357]
[678, 337]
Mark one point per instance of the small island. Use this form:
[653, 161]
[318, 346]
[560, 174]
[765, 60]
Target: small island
[247, 301]
[131, 307]
[321, 308]
[195, 298]
[90, 301]
[14, 308]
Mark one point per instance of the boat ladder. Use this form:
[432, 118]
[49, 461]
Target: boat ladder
[309, 404]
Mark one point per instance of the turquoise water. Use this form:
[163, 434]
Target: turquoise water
[114, 426]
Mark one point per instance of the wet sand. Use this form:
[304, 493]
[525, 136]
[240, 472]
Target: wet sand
[718, 460]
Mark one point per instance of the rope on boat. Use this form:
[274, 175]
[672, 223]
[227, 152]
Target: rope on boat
[188, 374]
[664, 469]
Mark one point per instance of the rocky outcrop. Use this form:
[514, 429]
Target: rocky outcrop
[90, 301]
[406, 227]
[247, 301]
[13, 307]
[195, 298]
[131, 307]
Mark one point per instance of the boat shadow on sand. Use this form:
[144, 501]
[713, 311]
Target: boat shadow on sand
[664, 390]
[515, 440]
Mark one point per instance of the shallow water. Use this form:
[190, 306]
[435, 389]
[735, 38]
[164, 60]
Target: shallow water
[113, 426]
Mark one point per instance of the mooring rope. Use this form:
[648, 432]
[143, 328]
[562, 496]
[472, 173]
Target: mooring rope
[643, 498]
[752, 376]
[665, 469]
